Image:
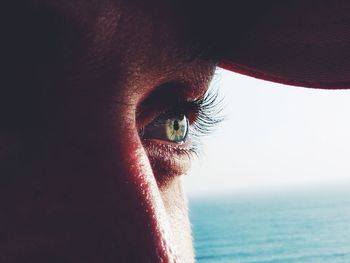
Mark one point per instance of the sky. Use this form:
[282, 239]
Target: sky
[274, 137]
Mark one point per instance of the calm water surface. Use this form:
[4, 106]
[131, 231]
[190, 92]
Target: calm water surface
[289, 228]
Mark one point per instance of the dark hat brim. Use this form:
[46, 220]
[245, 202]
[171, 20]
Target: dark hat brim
[300, 42]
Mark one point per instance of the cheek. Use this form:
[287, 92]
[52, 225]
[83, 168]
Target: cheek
[91, 193]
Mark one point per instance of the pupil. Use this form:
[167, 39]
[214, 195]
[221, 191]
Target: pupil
[176, 125]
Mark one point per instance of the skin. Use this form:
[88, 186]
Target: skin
[78, 184]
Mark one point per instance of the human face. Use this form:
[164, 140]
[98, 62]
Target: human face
[78, 182]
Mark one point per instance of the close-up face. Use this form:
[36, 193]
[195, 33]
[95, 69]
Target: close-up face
[101, 106]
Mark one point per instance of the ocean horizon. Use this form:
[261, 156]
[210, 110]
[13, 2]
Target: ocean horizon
[288, 228]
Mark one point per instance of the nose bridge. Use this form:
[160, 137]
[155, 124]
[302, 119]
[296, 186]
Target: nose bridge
[152, 234]
[143, 190]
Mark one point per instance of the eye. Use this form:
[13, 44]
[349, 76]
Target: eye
[167, 127]
[171, 127]
[171, 121]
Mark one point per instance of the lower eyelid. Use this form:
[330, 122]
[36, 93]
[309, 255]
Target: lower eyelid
[167, 159]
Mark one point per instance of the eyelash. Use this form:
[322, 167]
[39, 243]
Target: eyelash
[207, 115]
[208, 112]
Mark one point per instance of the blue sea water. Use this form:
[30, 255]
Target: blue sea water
[310, 228]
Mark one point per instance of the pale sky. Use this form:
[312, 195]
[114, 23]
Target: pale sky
[274, 137]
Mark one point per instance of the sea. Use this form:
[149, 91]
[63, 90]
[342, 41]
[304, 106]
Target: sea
[293, 227]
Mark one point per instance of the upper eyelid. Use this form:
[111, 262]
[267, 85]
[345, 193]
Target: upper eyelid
[164, 98]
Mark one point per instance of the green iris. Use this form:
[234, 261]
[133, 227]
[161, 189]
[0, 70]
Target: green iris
[171, 128]
[176, 128]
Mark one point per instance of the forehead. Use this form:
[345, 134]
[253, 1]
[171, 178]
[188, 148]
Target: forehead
[129, 36]
[119, 25]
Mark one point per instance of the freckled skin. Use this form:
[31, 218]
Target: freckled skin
[77, 184]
